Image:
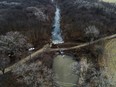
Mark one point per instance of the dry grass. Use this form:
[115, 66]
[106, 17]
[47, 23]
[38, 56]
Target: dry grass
[110, 60]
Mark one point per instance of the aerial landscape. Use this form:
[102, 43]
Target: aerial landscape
[57, 43]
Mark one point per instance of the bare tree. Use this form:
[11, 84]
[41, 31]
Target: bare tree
[34, 75]
[92, 33]
[4, 61]
[37, 12]
[12, 45]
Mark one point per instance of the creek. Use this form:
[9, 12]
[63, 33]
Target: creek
[62, 63]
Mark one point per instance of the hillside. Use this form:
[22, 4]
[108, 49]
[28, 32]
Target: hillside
[77, 15]
[31, 17]
[57, 43]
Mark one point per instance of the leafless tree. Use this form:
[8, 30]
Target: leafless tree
[4, 61]
[13, 44]
[92, 33]
[34, 75]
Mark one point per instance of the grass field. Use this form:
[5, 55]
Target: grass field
[110, 56]
[110, 0]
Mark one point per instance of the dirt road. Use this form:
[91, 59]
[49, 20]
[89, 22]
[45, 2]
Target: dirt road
[47, 48]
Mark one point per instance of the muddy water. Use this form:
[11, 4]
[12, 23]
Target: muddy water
[65, 76]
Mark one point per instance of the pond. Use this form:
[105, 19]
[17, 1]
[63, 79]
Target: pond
[63, 68]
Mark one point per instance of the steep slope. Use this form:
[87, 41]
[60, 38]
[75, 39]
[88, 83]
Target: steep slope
[32, 17]
[77, 15]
